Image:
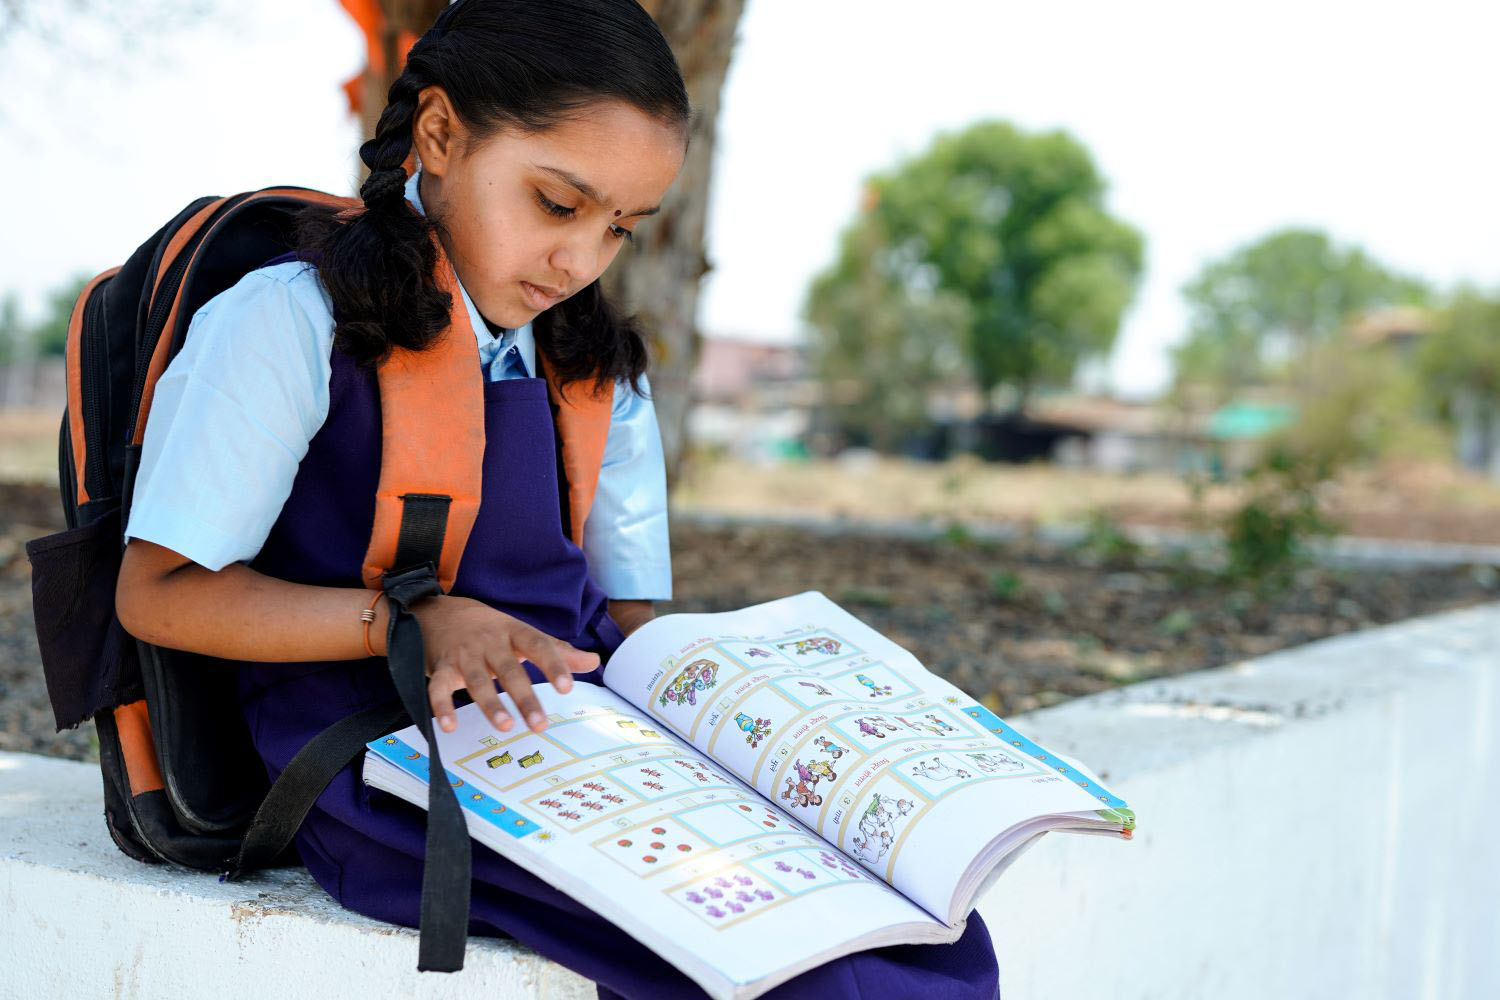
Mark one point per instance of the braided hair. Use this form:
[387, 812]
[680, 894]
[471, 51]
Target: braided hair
[521, 64]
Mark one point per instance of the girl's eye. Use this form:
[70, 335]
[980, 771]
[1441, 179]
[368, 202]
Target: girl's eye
[564, 212]
[552, 207]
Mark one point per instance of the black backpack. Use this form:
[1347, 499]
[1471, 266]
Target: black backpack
[182, 780]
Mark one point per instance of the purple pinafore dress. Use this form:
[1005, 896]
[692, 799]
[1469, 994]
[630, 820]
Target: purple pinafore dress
[365, 847]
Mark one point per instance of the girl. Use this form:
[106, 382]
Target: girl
[545, 132]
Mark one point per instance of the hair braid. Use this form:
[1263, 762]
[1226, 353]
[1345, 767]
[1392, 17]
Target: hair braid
[386, 153]
[367, 264]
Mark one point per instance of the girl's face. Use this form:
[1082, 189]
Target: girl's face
[528, 220]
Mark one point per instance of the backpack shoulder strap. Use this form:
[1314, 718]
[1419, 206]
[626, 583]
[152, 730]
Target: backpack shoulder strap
[196, 238]
[428, 496]
[582, 414]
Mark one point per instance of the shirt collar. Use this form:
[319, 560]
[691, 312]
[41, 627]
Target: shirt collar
[522, 338]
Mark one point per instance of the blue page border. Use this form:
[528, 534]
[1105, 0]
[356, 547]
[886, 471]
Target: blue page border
[994, 724]
[490, 809]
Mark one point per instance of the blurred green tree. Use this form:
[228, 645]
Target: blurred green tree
[883, 347]
[1256, 314]
[993, 234]
[1459, 366]
[12, 329]
[48, 336]
[1462, 354]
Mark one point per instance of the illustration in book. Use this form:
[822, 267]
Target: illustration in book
[877, 827]
[700, 675]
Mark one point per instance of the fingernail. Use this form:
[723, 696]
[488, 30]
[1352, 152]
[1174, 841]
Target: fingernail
[536, 719]
[448, 723]
[564, 685]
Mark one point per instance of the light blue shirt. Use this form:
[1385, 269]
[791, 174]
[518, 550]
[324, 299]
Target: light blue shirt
[232, 416]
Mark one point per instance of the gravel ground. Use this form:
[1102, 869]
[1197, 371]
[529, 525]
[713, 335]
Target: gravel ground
[1020, 625]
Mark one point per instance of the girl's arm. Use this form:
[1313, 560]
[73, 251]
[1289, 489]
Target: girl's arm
[631, 615]
[166, 599]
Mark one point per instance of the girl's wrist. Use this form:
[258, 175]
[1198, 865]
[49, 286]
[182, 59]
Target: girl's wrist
[424, 610]
[367, 619]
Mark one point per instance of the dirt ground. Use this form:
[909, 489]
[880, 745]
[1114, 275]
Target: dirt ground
[1400, 500]
[1019, 625]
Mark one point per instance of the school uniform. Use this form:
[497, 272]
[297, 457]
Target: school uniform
[303, 507]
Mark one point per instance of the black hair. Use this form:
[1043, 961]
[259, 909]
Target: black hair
[513, 64]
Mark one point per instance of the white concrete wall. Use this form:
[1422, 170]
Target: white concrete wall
[80, 920]
[1318, 823]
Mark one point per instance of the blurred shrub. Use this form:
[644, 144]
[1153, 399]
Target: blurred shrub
[1266, 537]
[1105, 542]
[1461, 356]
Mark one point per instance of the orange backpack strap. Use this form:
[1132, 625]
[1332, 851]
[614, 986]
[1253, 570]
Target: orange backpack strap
[582, 414]
[74, 372]
[432, 450]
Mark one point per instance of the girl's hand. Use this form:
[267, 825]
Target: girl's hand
[470, 645]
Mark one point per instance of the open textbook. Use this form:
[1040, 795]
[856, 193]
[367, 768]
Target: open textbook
[755, 792]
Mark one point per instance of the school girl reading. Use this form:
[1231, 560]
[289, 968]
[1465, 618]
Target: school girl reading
[546, 132]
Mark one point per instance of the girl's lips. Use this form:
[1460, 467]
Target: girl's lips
[537, 298]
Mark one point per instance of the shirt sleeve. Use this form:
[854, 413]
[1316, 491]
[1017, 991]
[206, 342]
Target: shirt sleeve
[625, 536]
[232, 416]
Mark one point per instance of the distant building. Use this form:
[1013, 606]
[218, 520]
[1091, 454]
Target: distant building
[1399, 328]
[751, 398]
[35, 384]
[1117, 436]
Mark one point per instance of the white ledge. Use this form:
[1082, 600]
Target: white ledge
[1318, 822]
[1314, 823]
[82, 920]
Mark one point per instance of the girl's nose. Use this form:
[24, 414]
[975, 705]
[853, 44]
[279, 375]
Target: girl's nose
[579, 259]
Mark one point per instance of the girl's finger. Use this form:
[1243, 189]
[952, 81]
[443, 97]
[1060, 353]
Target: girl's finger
[518, 685]
[481, 684]
[440, 687]
[557, 660]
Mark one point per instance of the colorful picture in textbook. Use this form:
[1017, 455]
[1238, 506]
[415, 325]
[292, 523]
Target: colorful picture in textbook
[697, 676]
[707, 843]
[858, 748]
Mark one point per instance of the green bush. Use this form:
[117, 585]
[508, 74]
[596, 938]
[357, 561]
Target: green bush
[1106, 543]
[1266, 538]
[1005, 585]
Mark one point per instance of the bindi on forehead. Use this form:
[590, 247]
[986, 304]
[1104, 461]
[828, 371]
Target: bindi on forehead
[586, 189]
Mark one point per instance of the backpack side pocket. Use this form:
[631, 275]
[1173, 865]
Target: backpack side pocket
[90, 662]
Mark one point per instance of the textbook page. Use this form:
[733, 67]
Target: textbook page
[847, 731]
[615, 811]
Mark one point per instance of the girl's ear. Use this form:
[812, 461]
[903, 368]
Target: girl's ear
[437, 132]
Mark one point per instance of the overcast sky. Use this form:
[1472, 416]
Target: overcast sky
[1213, 123]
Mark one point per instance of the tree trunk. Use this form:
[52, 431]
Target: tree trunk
[659, 281]
[658, 278]
[404, 22]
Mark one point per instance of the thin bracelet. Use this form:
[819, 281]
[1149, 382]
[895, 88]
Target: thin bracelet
[367, 616]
